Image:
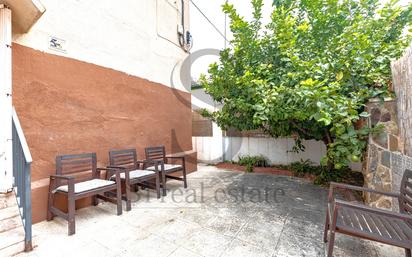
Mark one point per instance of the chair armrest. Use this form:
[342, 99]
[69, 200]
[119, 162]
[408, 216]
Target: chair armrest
[150, 162]
[116, 167]
[110, 171]
[107, 168]
[177, 157]
[391, 214]
[53, 178]
[334, 185]
[119, 169]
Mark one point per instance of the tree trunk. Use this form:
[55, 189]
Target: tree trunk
[328, 140]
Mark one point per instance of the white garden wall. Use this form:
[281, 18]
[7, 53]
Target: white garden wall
[210, 149]
[218, 148]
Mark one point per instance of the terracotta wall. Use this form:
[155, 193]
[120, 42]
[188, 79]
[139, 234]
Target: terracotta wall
[68, 106]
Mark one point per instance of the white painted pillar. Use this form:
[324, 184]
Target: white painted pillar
[6, 154]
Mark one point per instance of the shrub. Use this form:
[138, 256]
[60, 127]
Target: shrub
[325, 176]
[253, 161]
[302, 167]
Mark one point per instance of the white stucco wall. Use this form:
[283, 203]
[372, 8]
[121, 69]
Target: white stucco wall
[217, 148]
[221, 148]
[136, 37]
[277, 151]
[6, 174]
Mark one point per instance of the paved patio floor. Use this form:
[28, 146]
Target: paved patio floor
[222, 213]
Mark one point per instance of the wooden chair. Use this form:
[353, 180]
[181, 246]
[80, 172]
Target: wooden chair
[159, 153]
[379, 225]
[131, 174]
[77, 177]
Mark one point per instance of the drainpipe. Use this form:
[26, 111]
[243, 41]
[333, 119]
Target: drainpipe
[6, 155]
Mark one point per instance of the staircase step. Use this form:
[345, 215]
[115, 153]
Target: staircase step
[9, 212]
[14, 239]
[7, 200]
[11, 226]
[10, 223]
[9, 215]
[12, 250]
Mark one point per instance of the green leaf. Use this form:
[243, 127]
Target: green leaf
[339, 76]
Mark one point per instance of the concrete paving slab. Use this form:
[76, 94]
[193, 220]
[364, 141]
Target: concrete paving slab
[226, 217]
[298, 246]
[239, 248]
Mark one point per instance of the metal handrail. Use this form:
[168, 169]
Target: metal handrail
[23, 142]
[22, 178]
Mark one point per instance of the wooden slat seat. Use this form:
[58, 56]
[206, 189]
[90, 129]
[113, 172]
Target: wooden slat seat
[132, 174]
[158, 153]
[359, 220]
[77, 177]
[376, 226]
[169, 167]
[86, 185]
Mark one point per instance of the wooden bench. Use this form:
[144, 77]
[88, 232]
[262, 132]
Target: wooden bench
[158, 153]
[379, 225]
[131, 174]
[77, 177]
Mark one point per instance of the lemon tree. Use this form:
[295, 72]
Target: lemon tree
[310, 71]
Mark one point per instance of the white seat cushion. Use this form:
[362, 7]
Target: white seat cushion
[86, 185]
[167, 167]
[135, 174]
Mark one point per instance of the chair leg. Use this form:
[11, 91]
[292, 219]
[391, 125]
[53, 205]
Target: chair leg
[128, 197]
[158, 187]
[184, 177]
[71, 214]
[408, 253]
[325, 232]
[95, 201]
[331, 243]
[164, 182]
[119, 198]
[50, 215]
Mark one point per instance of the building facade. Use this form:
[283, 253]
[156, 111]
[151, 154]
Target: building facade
[90, 76]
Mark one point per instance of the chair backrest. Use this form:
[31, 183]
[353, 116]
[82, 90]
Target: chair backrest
[124, 158]
[155, 153]
[80, 166]
[405, 199]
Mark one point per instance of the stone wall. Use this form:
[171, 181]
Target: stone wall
[389, 151]
[378, 169]
[386, 161]
[402, 85]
